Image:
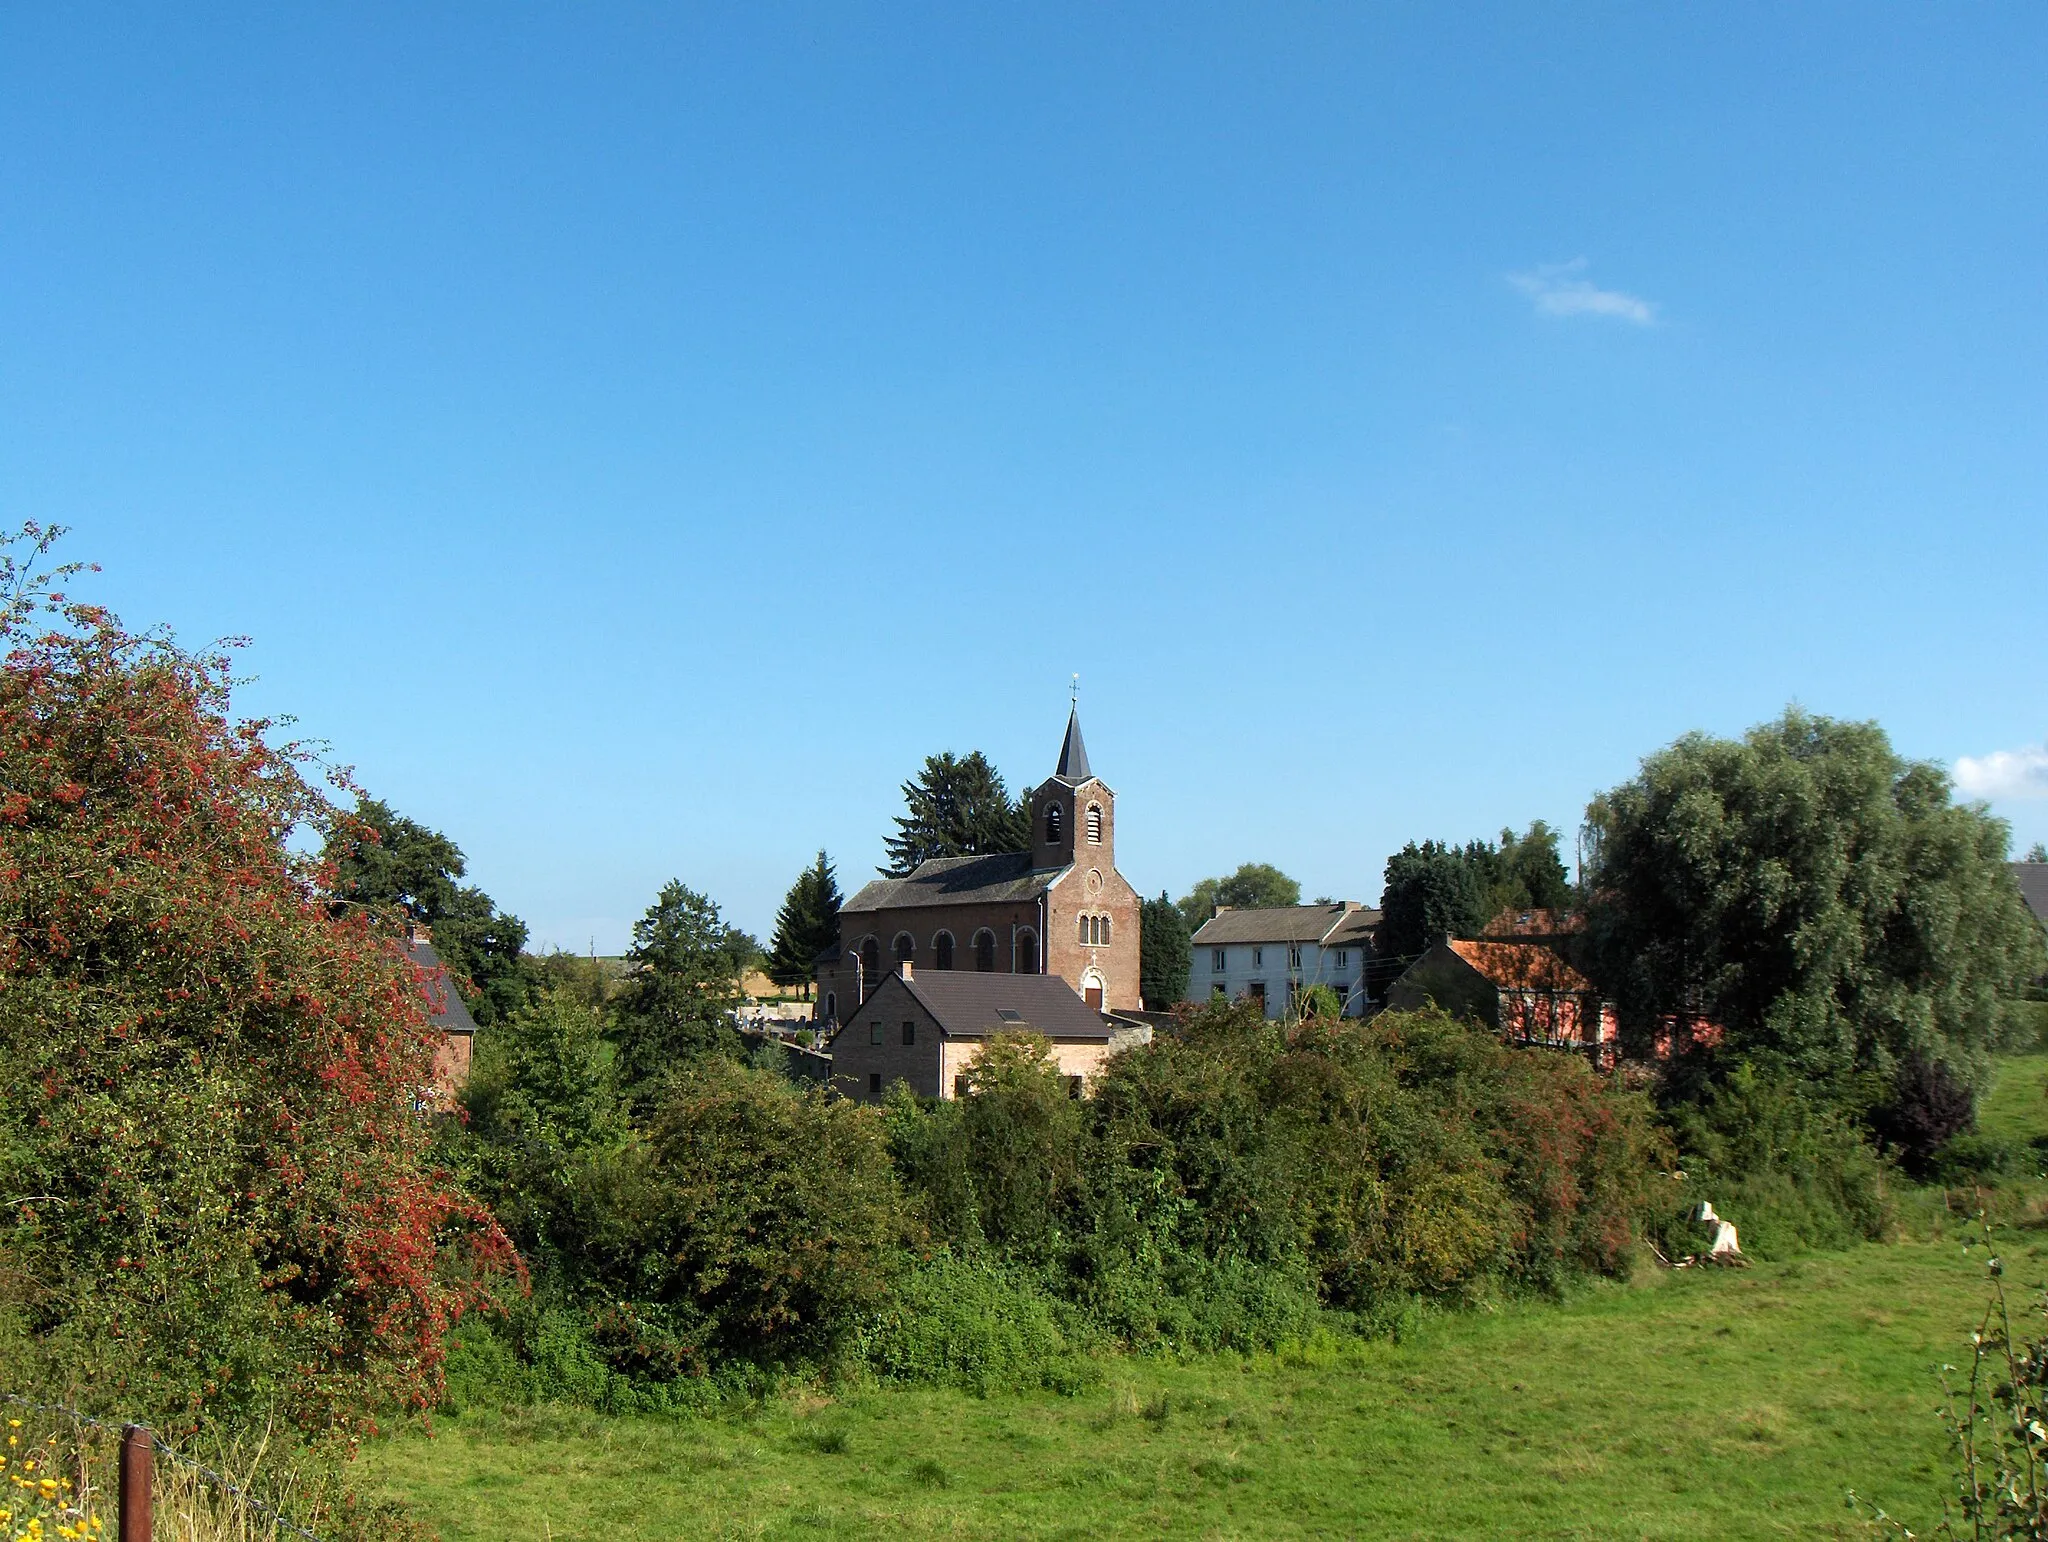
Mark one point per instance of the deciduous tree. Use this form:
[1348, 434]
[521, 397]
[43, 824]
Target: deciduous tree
[1823, 898]
[1254, 886]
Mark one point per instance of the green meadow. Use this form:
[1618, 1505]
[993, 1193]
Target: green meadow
[1690, 1403]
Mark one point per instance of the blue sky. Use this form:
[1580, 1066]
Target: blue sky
[635, 438]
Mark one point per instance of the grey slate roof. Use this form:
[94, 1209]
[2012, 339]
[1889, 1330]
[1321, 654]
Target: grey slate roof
[972, 1006]
[1007, 875]
[445, 1010]
[1073, 765]
[1286, 923]
[2033, 877]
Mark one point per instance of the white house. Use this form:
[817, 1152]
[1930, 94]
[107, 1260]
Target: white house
[1273, 955]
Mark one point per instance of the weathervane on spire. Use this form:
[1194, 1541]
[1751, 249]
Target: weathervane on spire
[1074, 692]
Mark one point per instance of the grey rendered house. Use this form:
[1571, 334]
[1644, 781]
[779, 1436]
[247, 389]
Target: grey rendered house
[1272, 955]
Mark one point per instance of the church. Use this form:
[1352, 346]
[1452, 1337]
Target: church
[1059, 909]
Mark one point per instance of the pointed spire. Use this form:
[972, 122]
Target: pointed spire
[1073, 753]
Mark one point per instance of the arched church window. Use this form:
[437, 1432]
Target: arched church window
[906, 948]
[942, 951]
[1052, 824]
[1095, 824]
[1027, 952]
[1087, 930]
[985, 950]
[1105, 931]
[870, 962]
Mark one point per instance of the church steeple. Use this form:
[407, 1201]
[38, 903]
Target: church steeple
[1073, 767]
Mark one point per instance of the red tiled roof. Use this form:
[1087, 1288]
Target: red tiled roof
[1521, 966]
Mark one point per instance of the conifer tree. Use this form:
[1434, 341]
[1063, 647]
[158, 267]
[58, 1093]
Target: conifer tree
[956, 807]
[677, 1004]
[806, 925]
[1164, 955]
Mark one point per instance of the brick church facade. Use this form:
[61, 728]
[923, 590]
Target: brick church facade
[1060, 908]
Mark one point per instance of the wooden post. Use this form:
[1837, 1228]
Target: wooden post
[137, 1460]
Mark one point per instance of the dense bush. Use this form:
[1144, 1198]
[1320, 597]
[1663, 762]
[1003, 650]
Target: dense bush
[1789, 1168]
[221, 1198]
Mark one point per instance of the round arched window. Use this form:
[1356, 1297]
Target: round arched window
[985, 950]
[870, 960]
[905, 948]
[1095, 824]
[1027, 952]
[942, 951]
[1052, 824]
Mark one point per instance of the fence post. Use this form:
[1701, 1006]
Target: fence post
[137, 1459]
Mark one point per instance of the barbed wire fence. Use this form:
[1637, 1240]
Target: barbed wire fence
[139, 1448]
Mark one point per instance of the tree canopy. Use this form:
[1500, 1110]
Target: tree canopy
[1163, 954]
[806, 925]
[1254, 886]
[1436, 889]
[956, 807]
[1821, 897]
[678, 999]
[384, 860]
[209, 1082]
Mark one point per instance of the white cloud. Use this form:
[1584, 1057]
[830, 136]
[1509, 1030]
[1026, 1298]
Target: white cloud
[2005, 773]
[1560, 289]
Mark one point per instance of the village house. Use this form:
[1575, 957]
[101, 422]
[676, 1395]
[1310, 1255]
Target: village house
[1522, 990]
[446, 1015]
[1059, 909]
[1272, 955]
[925, 1028]
[2032, 878]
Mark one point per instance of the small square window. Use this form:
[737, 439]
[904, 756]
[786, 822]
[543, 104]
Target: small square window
[910, 1033]
[874, 1084]
[959, 1086]
[875, 1031]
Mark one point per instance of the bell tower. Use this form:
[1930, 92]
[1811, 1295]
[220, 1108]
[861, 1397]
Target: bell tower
[1073, 812]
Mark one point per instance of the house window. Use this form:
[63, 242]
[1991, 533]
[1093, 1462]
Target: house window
[906, 948]
[1218, 991]
[1216, 959]
[1095, 824]
[1073, 1086]
[1027, 952]
[1258, 957]
[1294, 955]
[942, 951]
[1052, 824]
[909, 1033]
[984, 950]
[875, 1031]
[874, 1084]
[1257, 991]
[959, 1086]
[1343, 958]
[831, 1006]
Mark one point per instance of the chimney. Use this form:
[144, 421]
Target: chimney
[904, 969]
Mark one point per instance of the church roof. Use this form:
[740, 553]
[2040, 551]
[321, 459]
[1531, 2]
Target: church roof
[1073, 766]
[1006, 875]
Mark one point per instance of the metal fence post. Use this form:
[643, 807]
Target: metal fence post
[137, 1460]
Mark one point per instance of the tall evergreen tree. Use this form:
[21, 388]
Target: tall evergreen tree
[386, 861]
[957, 806]
[678, 1000]
[1164, 954]
[806, 925]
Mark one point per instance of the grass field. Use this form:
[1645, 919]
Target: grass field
[1722, 1404]
[1686, 1405]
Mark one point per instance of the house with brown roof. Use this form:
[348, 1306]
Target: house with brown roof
[925, 1028]
[1522, 990]
[1271, 955]
[1061, 908]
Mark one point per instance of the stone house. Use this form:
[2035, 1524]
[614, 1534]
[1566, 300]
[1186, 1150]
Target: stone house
[446, 1014]
[925, 1028]
[1522, 990]
[1061, 908]
[1272, 955]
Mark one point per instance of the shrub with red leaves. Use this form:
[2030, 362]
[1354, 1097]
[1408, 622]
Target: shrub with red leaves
[216, 1191]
